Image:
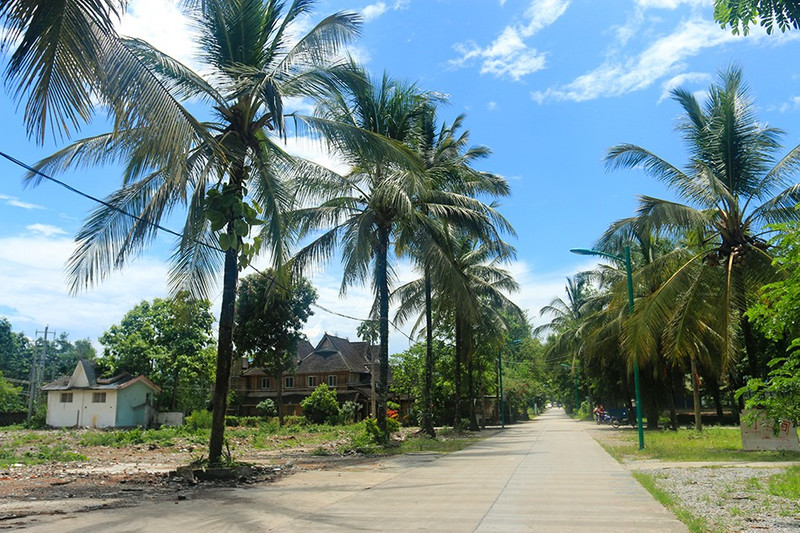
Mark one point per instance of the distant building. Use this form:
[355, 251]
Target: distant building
[344, 365]
[83, 400]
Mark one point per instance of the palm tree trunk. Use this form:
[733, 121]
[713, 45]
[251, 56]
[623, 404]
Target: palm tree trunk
[473, 421]
[427, 412]
[673, 410]
[174, 402]
[279, 380]
[750, 348]
[457, 377]
[698, 417]
[224, 353]
[382, 282]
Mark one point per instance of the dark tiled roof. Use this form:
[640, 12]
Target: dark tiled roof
[335, 354]
[119, 381]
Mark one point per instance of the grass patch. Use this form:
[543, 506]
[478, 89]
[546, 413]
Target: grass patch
[40, 454]
[696, 524]
[711, 444]
[437, 445]
[120, 438]
[786, 484]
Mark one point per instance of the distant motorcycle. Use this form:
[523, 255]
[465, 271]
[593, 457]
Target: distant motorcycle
[605, 418]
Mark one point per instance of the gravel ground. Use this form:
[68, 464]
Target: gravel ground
[730, 498]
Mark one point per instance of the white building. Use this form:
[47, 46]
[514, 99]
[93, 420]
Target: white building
[83, 400]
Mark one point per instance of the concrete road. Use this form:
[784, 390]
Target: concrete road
[545, 475]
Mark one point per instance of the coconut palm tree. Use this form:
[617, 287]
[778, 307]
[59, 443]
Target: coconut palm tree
[475, 292]
[447, 163]
[362, 210]
[768, 13]
[734, 185]
[227, 172]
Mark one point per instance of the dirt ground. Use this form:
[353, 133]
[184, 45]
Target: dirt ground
[116, 477]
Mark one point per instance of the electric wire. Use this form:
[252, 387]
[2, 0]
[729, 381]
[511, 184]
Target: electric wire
[177, 234]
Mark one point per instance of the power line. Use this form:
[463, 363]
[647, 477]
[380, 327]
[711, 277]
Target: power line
[171, 232]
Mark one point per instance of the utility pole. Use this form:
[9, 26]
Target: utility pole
[37, 371]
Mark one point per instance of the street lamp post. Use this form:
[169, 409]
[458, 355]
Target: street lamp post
[627, 260]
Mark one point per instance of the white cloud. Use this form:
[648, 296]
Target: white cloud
[680, 80]
[34, 286]
[373, 11]
[162, 24]
[537, 289]
[662, 58]
[792, 105]
[509, 55]
[491, 106]
[46, 229]
[13, 201]
[671, 4]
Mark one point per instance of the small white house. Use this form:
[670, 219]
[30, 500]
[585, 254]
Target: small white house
[83, 400]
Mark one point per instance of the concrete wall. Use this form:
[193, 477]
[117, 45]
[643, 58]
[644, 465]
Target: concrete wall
[81, 411]
[132, 405]
[170, 419]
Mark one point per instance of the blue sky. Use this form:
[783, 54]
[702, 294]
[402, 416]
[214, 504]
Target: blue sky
[549, 85]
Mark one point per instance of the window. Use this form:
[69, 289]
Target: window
[265, 384]
[66, 397]
[331, 381]
[99, 397]
[312, 381]
[289, 382]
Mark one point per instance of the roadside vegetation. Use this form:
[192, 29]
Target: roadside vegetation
[730, 489]
[246, 437]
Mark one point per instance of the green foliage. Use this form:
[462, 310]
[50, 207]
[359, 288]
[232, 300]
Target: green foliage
[392, 425]
[271, 310]
[777, 315]
[170, 342]
[711, 444]
[227, 205]
[321, 406]
[10, 397]
[786, 484]
[119, 438]
[349, 411]
[267, 407]
[243, 421]
[200, 419]
[741, 14]
[42, 453]
[696, 524]
[373, 433]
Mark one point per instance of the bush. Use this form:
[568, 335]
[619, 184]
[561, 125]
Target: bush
[294, 421]
[268, 407]
[199, 420]
[321, 406]
[349, 411]
[374, 433]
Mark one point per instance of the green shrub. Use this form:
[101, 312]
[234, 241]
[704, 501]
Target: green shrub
[321, 406]
[268, 407]
[349, 411]
[462, 426]
[392, 425]
[294, 421]
[199, 420]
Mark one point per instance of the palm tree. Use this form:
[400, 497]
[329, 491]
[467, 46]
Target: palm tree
[227, 172]
[452, 183]
[474, 291]
[362, 210]
[734, 187]
[59, 47]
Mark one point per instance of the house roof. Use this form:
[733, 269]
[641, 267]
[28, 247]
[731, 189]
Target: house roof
[332, 354]
[84, 377]
[335, 354]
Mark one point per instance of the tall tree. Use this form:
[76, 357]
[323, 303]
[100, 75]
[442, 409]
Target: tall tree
[270, 313]
[447, 158]
[167, 340]
[228, 172]
[362, 210]
[734, 185]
